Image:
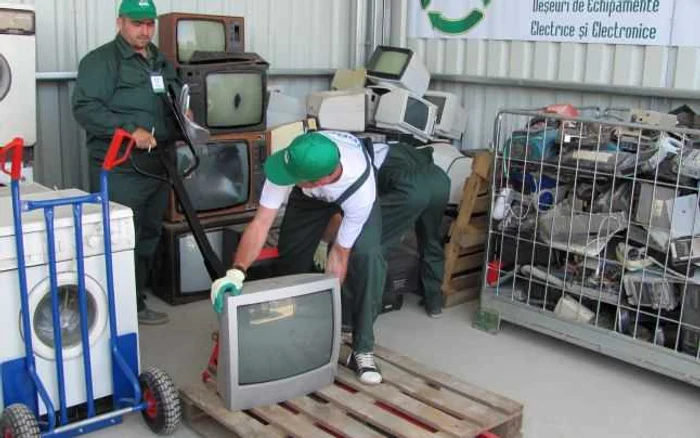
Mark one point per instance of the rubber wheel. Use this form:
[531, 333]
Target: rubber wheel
[18, 421]
[162, 413]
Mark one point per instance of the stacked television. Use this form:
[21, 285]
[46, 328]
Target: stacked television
[228, 88]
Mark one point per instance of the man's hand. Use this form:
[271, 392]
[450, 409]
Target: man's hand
[231, 284]
[144, 139]
[321, 256]
[189, 114]
[338, 262]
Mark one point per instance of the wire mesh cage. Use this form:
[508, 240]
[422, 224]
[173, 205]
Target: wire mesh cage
[595, 222]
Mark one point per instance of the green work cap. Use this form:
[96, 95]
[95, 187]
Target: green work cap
[138, 10]
[309, 157]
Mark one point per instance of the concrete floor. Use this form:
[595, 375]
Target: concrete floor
[567, 391]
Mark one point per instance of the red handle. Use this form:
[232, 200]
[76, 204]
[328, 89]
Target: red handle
[112, 159]
[15, 171]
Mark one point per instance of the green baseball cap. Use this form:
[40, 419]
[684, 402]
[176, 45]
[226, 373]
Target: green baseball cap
[138, 10]
[309, 157]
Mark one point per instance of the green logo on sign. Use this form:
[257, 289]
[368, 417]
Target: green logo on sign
[454, 26]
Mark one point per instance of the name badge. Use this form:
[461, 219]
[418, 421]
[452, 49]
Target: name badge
[158, 84]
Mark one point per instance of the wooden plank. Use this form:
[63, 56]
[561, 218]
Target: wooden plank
[296, 425]
[482, 165]
[481, 204]
[413, 407]
[473, 392]
[237, 422]
[466, 282]
[364, 407]
[469, 262]
[334, 419]
[477, 414]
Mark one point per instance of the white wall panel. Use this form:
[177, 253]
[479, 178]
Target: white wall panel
[290, 34]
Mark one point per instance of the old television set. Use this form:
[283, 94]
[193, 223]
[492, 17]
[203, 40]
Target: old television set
[227, 96]
[228, 178]
[398, 66]
[402, 111]
[259, 362]
[180, 275]
[341, 110]
[181, 34]
[451, 117]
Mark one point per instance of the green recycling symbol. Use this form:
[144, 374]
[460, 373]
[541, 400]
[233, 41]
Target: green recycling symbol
[454, 26]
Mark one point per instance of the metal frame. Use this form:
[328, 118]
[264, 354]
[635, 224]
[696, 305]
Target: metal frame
[631, 298]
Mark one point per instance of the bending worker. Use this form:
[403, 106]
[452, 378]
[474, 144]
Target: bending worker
[381, 192]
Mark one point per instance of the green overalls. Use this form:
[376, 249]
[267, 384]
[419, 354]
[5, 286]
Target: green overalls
[411, 192]
[113, 91]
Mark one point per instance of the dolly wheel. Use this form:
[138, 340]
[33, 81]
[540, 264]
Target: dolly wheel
[162, 413]
[18, 421]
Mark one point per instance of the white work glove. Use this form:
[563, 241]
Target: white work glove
[321, 256]
[231, 284]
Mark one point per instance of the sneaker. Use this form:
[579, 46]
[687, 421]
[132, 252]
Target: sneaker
[364, 366]
[151, 317]
[434, 313]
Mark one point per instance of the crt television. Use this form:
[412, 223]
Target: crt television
[451, 117]
[278, 340]
[398, 66]
[229, 176]
[402, 111]
[228, 96]
[181, 34]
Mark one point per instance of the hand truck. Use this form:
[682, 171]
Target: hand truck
[153, 392]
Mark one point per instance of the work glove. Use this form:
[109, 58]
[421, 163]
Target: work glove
[231, 284]
[321, 256]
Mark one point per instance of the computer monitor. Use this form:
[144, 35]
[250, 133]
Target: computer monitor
[342, 110]
[398, 66]
[372, 95]
[181, 34]
[278, 340]
[399, 110]
[451, 117]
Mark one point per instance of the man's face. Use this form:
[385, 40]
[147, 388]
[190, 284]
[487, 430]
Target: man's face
[137, 33]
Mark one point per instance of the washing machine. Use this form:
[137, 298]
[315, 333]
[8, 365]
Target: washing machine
[17, 73]
[12, 351]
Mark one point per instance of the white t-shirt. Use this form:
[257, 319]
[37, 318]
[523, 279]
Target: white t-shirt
[356, 208]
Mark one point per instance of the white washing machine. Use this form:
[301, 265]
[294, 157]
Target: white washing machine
[17, 73]
[36, 257]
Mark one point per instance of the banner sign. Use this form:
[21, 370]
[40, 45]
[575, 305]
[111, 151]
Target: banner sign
[641, 22]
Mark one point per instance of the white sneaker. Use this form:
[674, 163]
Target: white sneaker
[365, 367]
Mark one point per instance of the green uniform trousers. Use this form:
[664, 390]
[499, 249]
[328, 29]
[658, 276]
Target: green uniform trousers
[148, 198]
[412, 193]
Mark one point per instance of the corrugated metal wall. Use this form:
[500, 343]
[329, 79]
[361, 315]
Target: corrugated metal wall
[483, 67]
[290, 34]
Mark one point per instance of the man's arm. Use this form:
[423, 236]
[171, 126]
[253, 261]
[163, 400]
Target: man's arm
[96, 82]
[254, 237]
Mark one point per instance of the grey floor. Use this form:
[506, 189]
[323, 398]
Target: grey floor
[567, 391]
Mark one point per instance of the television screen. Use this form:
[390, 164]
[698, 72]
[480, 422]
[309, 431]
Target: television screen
[235, 99]
[221, 180]
[193, 273]
[438, 101]
[309, 321]
[416, 113]
[389, 62]
[204, 35]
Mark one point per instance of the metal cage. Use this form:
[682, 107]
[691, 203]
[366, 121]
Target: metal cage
[594, 234]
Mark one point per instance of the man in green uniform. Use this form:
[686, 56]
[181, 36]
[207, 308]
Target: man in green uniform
[122, 84]
[382, 191]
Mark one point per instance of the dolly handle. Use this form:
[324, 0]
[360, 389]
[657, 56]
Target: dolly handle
[16, 146]
[112, 159]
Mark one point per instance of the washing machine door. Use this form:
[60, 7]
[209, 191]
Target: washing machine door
[5, 77]
[43, 337]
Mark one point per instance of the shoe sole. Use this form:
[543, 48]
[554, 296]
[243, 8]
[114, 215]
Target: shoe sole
[152, 322]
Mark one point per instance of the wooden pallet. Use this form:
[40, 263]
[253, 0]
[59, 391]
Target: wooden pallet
[464, 252]
[413, 402]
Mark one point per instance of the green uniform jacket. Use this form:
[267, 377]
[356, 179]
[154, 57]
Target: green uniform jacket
[114, 90]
